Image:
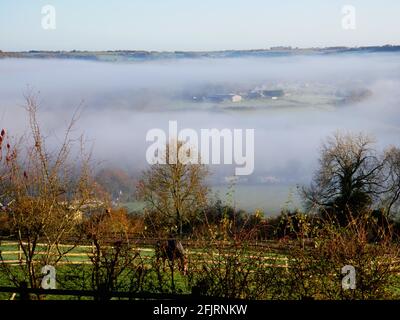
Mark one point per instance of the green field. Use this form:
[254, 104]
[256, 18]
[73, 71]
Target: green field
[74, 271]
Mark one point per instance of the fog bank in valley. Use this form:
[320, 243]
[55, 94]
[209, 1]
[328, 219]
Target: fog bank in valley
[121, 102]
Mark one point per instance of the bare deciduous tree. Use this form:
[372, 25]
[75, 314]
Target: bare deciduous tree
[350, 176]
[392, 159]
[46, 193]
[174, 193]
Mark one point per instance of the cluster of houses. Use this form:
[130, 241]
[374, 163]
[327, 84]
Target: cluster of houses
[234, 97]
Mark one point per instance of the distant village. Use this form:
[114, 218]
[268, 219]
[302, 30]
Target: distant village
[238, 97]
[335, 96]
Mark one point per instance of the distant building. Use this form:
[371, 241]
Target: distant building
[235, 179]
[218, 98]
[273, 93]
[79, 210]
[258, 93]
[236, 98]
[268, 180]
[254, 95]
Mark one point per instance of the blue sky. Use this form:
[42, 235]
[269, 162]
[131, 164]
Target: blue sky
[195, 24]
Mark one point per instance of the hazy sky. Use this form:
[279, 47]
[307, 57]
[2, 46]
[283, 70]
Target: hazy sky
[195, 24]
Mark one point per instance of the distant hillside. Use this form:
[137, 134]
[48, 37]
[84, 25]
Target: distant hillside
[135, 55]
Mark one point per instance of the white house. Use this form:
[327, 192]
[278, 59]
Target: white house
[236, 98]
